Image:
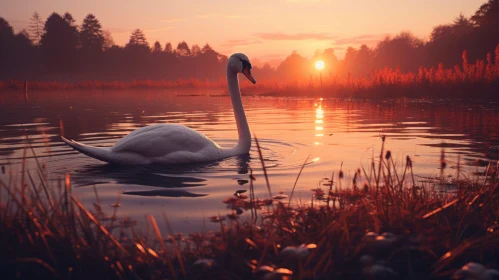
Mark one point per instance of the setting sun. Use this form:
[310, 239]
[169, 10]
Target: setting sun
[319, 65]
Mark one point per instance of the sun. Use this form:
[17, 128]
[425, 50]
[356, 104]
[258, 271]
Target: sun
[319, 65]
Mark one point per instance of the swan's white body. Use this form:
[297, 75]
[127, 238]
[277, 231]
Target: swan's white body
[174, 143]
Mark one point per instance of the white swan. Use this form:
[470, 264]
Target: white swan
[175, 143]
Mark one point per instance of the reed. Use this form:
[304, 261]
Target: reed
[460, 81]
[393, 227]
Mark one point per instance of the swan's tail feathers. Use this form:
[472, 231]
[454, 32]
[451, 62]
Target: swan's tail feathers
[99, 153]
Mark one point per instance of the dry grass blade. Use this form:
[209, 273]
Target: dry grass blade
[40, 262]
[99, 226]
[440, 209]
[115, 206]
[309, 241]
[161, 241]
[297, 177]
[330, 191]
[263, 166]
[383, 137]
[252, 243]
[175, 245]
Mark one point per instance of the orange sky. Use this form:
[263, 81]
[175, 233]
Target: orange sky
[266, 30]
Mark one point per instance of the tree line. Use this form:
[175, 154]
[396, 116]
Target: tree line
[478, 35]
[58, 49]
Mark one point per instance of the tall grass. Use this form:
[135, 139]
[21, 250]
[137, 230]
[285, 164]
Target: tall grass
[392, 227]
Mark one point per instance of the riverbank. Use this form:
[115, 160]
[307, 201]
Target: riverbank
[458, 90]
[387, 226]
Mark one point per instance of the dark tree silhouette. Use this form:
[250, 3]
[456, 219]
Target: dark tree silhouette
[91, 35]
[91, 43]
[168, 48]
[23, 51]
[157, 47]
[35, 28]
[486, 20]
[6, 32]
[16, 52]
[136, 56]
[206, 48]
[404, 51]
[69, 18]
[59, 44]
[487, 16]
[6, 45]
[447, 42]
[64, 53]
[183, 49]
[108, 39]
[195, 50]
[138, 39]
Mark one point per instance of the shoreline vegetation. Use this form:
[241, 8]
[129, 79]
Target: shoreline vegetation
[386, 225]
[459, 59]
[459, 82]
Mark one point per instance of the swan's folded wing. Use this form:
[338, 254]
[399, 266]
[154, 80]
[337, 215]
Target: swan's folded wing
[142, 130]
[161, 141]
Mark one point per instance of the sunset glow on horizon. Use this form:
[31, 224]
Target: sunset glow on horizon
[268, 30]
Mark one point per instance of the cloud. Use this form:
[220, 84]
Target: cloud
[159, 29]
[308, 1]
[272, 56]
[119, 30]
[219, 15]
[170, 20]
[359, 40]
[295, 37]
[235, 43]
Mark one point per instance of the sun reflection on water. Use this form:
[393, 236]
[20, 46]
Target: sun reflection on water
[319, 121]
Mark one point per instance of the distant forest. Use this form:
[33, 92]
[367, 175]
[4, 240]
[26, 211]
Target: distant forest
[58, 49]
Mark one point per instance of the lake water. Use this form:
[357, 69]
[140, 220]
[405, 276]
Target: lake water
[329, 132]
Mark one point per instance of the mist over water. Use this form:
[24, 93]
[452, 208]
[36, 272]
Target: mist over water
[330, 132]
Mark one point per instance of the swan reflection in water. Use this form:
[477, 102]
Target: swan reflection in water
[166, 180]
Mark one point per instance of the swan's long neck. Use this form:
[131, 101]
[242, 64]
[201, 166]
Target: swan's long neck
[244, 144]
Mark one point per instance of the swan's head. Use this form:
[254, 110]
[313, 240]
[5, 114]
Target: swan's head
[239, 63]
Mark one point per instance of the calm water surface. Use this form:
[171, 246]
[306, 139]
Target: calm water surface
[330, 132]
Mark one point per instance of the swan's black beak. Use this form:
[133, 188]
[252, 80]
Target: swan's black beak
[247, 73]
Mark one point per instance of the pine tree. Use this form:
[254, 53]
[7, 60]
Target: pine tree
[183, 49]
[108, 39]
[157, 47]
[35, 28]
[195, 50]
[207, 48]
[138, 38]
[69, 18]
[91, 34]
[168, 48]
[59, 43]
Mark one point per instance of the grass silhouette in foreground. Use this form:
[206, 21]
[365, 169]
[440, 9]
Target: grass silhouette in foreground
[385, 226]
